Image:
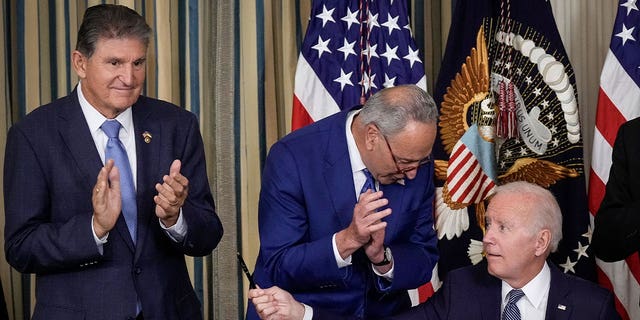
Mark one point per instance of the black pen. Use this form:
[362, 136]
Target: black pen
[243, 265]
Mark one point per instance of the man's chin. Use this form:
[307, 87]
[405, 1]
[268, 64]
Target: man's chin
[125, 103]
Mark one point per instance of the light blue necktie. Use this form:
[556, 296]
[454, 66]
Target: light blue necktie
[115, 150]
[511, 311]
[369, 183]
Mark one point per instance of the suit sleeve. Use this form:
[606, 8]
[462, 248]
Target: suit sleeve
[608, 311]
[320, 314]
[204, 229]
[415, 250]
[617, 224]
[435, 308]
[34, 243]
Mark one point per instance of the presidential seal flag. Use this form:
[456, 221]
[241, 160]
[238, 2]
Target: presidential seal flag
[508, 111]
[351, 50]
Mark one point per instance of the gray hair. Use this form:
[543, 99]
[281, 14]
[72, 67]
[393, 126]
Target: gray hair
[547, 213]
[110, 21]
[392, 108]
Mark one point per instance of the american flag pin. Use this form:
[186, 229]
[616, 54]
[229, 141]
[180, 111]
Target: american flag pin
[562, 307]
[147, 137]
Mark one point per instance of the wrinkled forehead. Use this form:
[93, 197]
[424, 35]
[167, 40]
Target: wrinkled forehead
[509, 206]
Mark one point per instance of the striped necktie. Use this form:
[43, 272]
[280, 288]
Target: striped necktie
[511, 311]
[369, 183]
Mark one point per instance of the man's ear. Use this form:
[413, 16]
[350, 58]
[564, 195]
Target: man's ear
[543, 241]
[372, 134]
[79, 63]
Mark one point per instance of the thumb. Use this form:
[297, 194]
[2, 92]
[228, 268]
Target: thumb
[175, 168]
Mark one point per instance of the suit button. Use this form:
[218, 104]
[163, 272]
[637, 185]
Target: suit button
[138, 270]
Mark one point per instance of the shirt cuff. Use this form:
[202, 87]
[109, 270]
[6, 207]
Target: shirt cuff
[389, 274]
[341, 262]
[308, 312]
[99, 241]
[178, 231]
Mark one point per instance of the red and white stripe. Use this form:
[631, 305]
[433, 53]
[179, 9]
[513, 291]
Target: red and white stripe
[311, 101]
[617, 102]
[466, 180]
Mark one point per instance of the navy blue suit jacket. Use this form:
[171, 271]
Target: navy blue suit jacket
[51, 165]
[470, 293]
[307, 195]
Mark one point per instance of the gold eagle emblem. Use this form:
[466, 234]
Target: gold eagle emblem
[469, 100]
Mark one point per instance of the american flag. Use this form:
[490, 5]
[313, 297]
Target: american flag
[351, 50]
[470, 176]
[617, 102]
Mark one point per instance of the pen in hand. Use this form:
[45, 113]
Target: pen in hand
[252, 284]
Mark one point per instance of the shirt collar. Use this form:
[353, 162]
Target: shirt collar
[354, 155]
[536, 290]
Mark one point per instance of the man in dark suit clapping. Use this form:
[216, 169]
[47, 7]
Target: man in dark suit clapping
[106, 190]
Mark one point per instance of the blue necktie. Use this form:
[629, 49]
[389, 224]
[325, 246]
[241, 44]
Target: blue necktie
[511, 311]
[369, 183]
[115, 150]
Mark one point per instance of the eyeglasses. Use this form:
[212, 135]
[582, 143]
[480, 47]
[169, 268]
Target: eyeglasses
[404, 171]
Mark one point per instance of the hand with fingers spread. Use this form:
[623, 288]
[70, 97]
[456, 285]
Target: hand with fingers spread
[106, 199]
[367, 220]
[171, 195]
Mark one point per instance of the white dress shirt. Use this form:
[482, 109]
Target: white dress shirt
[533, 306]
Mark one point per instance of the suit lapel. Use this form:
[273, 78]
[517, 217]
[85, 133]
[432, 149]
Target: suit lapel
[395, 194]
[490, 292]
[78, 139]
[148, 170]
[558, 305]
[337, 171]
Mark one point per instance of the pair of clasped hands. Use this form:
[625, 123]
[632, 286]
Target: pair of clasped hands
[367, 230]
[107, 199]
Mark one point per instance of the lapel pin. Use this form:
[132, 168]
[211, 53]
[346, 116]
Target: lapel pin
[562, 307]
[147, 137]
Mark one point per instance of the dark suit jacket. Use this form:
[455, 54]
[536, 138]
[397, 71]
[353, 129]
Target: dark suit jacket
[470, 293]
[308, 195]
[51, 165]
[617, 225]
